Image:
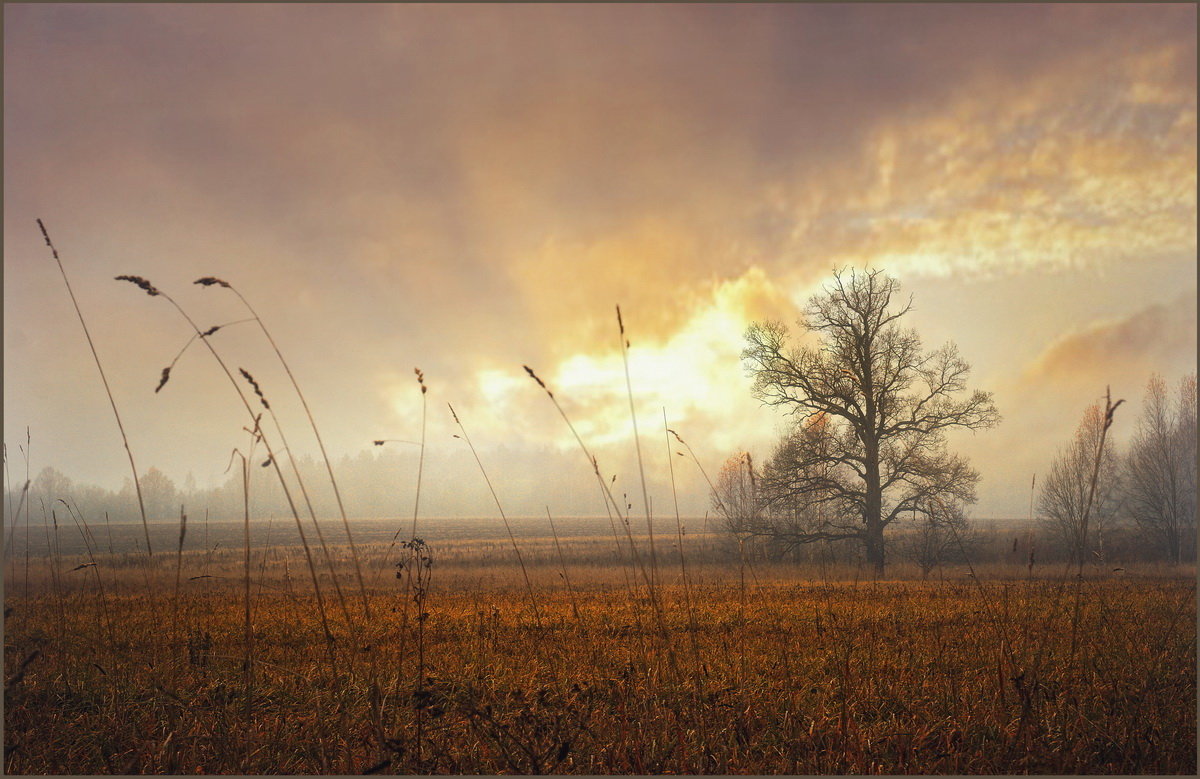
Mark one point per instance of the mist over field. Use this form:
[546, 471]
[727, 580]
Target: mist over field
[599, 389]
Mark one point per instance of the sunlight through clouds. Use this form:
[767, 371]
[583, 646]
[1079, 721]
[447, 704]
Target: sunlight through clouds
[1015, 177]
[474, 191]
[694, 371]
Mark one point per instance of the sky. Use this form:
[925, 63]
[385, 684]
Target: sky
[469, 189]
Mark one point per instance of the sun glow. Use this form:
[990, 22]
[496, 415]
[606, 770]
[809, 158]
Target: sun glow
[695, 374]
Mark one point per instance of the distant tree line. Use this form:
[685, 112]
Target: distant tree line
[377, 483]
[1150, 487]
[374, 483]
[1143, 505]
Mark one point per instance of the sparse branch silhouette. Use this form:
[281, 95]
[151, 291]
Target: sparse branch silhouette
[1159, 473]
[871, 410]
[1080, 493]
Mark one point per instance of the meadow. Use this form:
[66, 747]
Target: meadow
[709, 663]
[491, 647]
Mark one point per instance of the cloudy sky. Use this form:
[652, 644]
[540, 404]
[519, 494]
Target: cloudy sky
[469, 189]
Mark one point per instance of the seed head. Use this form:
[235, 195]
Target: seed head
[149, 288]
[1108, 416]
[49, 243]
[257, 390]
[166, 374]
[208, 281]
[535, 377]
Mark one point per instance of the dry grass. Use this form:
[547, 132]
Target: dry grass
[948, 676]
[741, 667]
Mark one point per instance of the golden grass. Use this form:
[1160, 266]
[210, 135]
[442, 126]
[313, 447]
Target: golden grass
[788, 670]
[820, 677]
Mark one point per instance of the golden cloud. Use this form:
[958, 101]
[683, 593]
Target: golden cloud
[1159, 338]
[1069, 170]
[692, 370]
[571, 287]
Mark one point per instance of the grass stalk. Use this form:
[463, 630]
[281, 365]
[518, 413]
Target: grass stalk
[107, 389]
[610, 502]
[520, 560]
[284, 448]
[693, 628]
[562, 561]
[11, 537]
[108, 533]
[407, 572]
[178, 572]
[210, 281]
[312, 514]
[711, 487]
[257, 431]
[637, 441]
[656, 605]
[7, 479]
[248, 632]
[55, 573]
[28, 505]
[1032, 487]
[420, 457]
[89, 543]
[420, 469]
[1109, 408]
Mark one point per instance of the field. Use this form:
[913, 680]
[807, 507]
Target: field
[588, 666]
[670, 388]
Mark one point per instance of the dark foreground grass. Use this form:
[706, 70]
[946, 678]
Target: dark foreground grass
[819, 678]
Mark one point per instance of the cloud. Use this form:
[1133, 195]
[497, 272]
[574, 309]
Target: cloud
[1085, 164]
[694, 372]
[1043, 402]
[469, 190]
[1159, 338]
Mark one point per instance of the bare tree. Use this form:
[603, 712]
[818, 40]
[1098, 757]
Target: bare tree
[51, 485]
[886, 405]
[736, 495]
[1079, 496]
[1160, 468]
[1187, 438]
[159, 493]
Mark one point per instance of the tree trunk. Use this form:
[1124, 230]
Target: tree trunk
[873, 539]
[873, 516]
